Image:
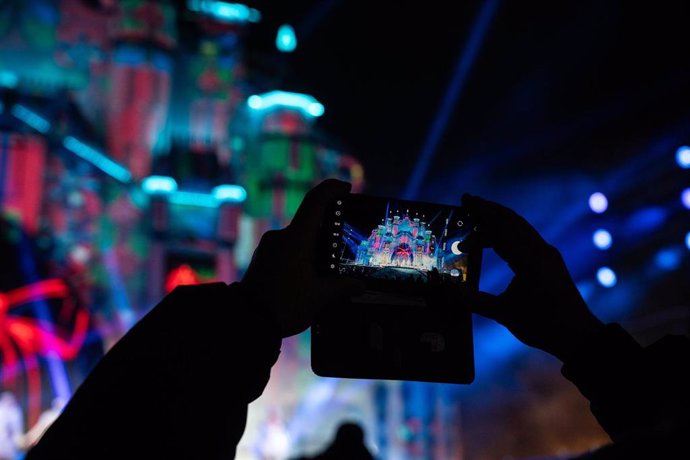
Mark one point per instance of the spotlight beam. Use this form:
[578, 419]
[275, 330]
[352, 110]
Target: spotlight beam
[463, 67]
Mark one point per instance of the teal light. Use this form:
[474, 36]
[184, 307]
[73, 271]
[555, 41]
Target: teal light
[8, 79]
[229, 193]
[31, 118]
[277, 99]
[159, 185]
[204, 200]
[224, 11]
[97, 159]
[286, 40]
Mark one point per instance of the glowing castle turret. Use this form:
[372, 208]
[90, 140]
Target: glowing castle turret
[399, 242]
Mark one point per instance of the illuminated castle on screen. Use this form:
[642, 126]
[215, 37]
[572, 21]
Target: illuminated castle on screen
[399, 242]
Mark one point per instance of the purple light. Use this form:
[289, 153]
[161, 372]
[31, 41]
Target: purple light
[598, 202]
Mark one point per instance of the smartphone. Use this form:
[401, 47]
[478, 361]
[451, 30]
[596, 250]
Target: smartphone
[406, 325]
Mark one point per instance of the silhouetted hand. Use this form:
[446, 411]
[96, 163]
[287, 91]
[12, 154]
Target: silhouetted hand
[542, 306]
[282, 275]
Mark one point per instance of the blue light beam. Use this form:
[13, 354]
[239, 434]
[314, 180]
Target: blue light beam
[460, 74]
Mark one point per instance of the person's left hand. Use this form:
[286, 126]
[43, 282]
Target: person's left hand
[282, 274]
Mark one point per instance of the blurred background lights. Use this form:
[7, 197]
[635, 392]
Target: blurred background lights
[683, 156]
[602, 239]
[598, 202]
[687, 240]
[685, 197]
[159, 184]
[668, 258]
[606, 277]
[286, 40]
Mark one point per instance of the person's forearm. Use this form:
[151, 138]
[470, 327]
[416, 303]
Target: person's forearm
[175, 386]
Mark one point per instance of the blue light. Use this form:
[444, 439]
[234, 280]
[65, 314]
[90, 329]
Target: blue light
[598, 202]
[255, 102]
[229, 193]
[304, 102]
[8, 79]
[97, 159]
[31, 118]
[227, 12]
[194, 199]
[668, 259]
[685, 197]
[687, 240]
[159, 185]
[606, 277]
[286, 40]
[602, 239]
[683, 156]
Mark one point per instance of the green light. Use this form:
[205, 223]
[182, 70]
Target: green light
[97, 159]
[286, 40]
[283, 99]
[159, 185]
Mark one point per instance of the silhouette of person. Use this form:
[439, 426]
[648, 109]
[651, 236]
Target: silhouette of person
[348, 444]
[177, 385]
[639, 395]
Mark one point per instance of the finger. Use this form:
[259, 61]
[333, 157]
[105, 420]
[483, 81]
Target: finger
[484, 304]
[513, 238]
[310, 213]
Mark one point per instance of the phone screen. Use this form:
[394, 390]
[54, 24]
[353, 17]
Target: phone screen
[396, 241]
[398, 328]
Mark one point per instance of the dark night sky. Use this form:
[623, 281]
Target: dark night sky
[564, 97]
[556, 85]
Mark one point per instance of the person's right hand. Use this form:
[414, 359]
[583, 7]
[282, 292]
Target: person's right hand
[542, 306]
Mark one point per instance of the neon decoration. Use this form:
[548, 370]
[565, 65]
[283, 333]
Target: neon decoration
[277, 99]
[23, 340]
[181, 276]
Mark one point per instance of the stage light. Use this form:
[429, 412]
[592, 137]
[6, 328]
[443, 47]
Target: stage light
[203, 200]
[683, 156]
[602, 239]
[8, 79]
[286, 40]
[304, 102]
[255, 102]
[687, 240]
[685, 197]
[598, 202]
[97, 159]
[31, 118]
[227, 12]
[229, 193]
[159, 185]
[668, 258]
[606, 277]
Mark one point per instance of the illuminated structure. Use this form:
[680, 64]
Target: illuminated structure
[399, 242]
[133, 145]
